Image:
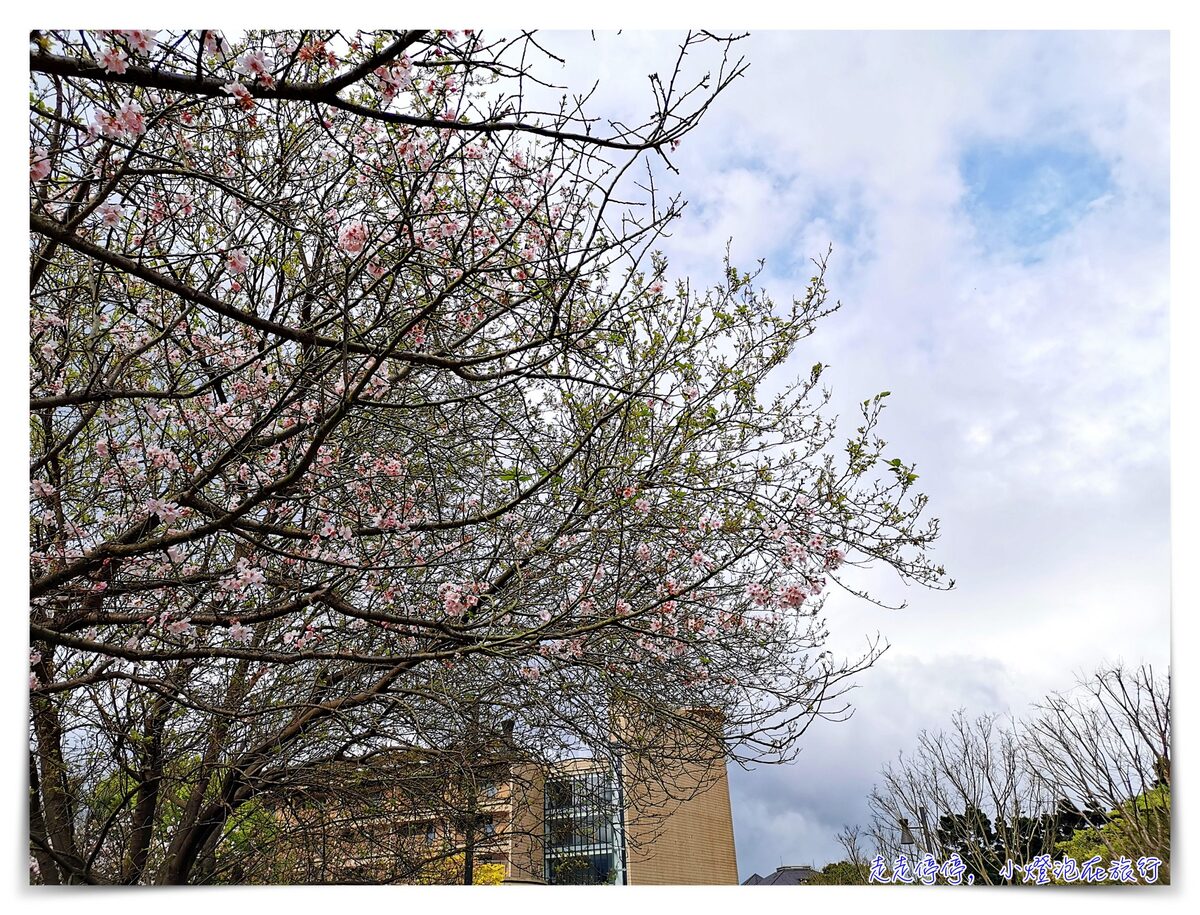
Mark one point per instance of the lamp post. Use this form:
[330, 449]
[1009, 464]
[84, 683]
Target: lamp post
[907, 839]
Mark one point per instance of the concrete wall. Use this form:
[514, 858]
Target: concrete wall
[681, 834]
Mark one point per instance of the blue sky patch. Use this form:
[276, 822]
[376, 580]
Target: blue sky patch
[1022, 196]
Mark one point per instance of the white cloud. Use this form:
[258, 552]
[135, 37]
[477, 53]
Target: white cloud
[1029, 379]
[792, 814]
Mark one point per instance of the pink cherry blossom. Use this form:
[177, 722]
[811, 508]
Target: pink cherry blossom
[140, 40]
[759, 593]
[240, 633]
[395, 79]
[240, 93]
[236, 261]
[793, 552]
[162, 457]
[215, 43]
[248, 575]
[166, 511]
[313, 51]
[254, 63]
[106, 125]
[132, 118]
[110, 214]
[113, 60]
[451, 595]
[792, 595]
[642, 505]
[352, 238]
[39, 165]
[774, 531]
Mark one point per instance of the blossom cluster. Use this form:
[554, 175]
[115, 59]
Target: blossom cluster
[128, 122]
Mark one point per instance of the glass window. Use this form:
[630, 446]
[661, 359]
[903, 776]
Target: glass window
[558, 794]
[583, 843]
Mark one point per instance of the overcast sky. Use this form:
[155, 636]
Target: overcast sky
[998, 206]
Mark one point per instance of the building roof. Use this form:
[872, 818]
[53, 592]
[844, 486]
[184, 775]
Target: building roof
[787, 875]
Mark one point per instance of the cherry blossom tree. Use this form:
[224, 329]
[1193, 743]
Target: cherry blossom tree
[360, 395]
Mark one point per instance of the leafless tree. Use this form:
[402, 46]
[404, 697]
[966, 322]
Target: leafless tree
[966, 790]
[994, 791]
[1107, 744]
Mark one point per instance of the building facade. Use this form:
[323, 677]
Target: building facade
[623, 820]
[592, 822]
